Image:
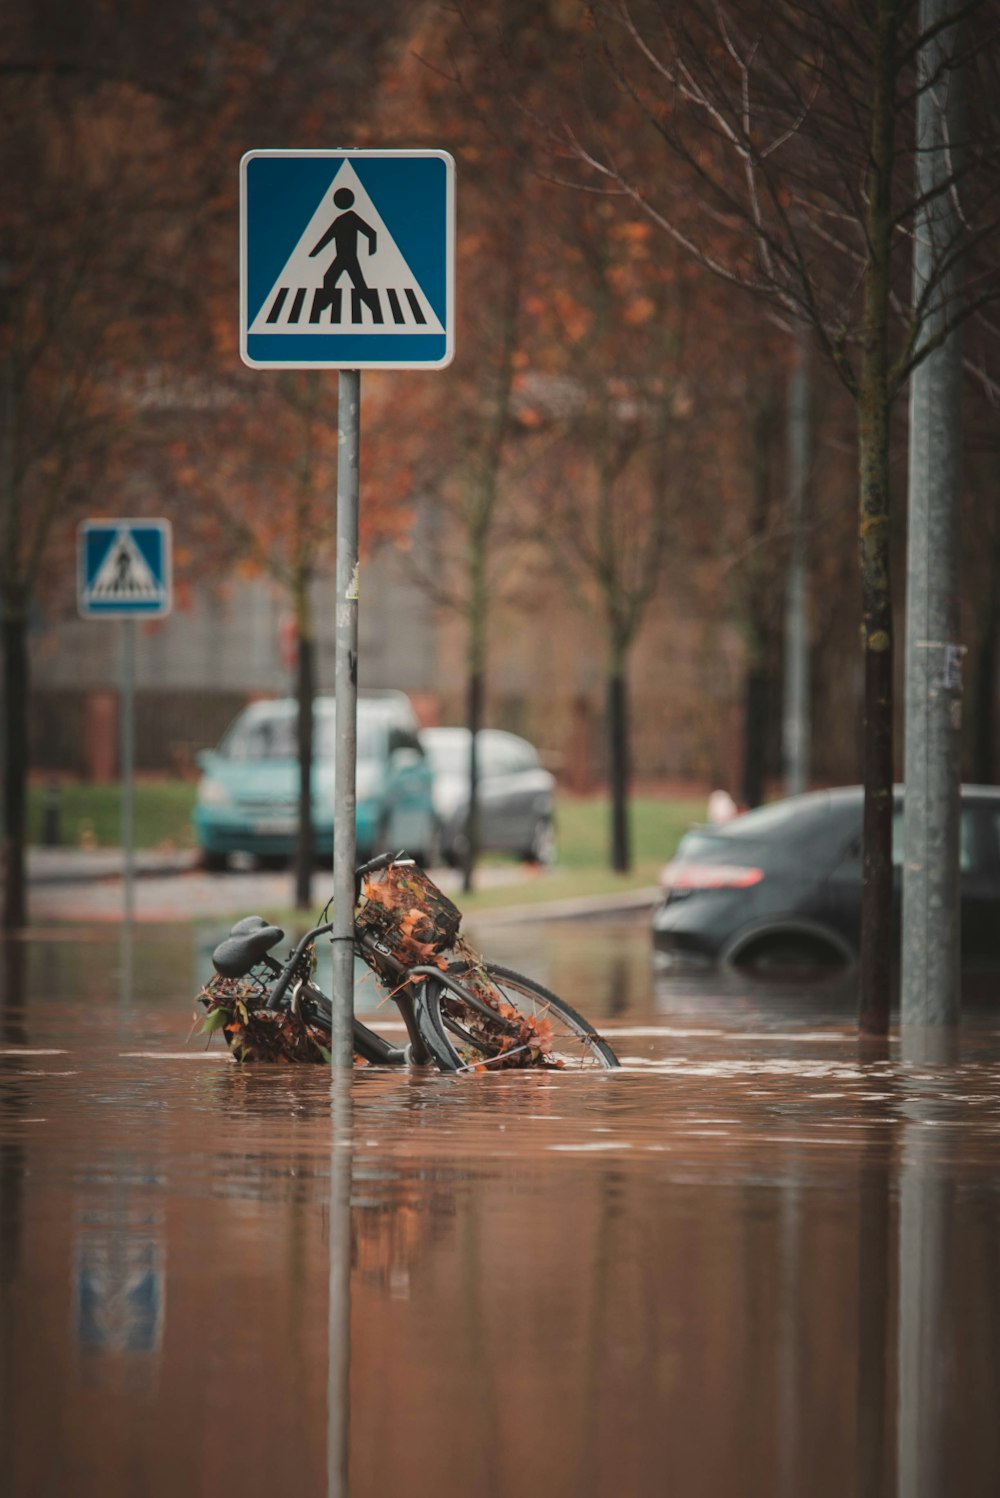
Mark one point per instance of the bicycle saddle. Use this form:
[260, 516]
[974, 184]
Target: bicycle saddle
[247, 924]
[236, 955]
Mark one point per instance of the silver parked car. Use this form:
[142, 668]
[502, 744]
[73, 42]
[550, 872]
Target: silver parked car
[516, 794]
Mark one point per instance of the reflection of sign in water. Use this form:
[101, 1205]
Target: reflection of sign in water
[124, 568]
[119, 1292]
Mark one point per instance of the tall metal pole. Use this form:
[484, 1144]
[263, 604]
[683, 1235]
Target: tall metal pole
[346, 686]
[931, 953]
[126, 730]
[795, 713]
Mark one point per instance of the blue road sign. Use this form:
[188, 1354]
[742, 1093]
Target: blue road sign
[124, 569]
[347, 259]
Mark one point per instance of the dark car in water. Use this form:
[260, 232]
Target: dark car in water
[779, 888]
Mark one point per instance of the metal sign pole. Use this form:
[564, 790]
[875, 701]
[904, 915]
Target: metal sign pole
[127, 730]
[346, 687]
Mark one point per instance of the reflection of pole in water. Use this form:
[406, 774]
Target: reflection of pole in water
[13, 993]
[789, 1333]
[339, 1378]
[873, 1302]
[126, 963]
[618, 989]
[924, 1211]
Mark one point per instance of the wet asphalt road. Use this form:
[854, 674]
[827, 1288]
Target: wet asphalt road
[79, 886]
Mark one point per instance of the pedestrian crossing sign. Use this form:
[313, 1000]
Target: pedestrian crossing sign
[124, 569]
[347, 259]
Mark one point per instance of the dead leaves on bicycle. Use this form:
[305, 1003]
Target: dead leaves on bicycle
[515, 1041]
[257, 1034]
[404, 909]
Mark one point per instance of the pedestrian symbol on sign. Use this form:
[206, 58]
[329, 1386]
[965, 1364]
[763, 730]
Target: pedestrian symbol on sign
[344, 232]
[124, 575]
[384, 294]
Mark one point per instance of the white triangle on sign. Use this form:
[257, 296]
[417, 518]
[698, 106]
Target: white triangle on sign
[358, 281]
[125, 575]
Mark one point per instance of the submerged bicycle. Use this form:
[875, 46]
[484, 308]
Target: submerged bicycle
[461, 1012]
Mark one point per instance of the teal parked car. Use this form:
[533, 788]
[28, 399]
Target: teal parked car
[248, 792]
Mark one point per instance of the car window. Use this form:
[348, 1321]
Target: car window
[979, 838]
[448, 753]
[524, 757]
[498, 759]
[509, 756]
[969, 856]
[978, 830]
[777, 816]
[404, 738]
[261, 738]
[275, 736]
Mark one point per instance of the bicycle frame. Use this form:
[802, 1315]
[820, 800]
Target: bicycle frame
[295, 974]
[366, 1042]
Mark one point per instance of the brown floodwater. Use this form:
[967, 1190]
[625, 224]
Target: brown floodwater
[753, 1262]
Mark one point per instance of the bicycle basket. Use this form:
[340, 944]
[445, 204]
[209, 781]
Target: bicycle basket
[408, 914]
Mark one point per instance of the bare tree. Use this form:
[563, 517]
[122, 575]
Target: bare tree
[612, 418]
[82, 208]
[459, 474]
[773, 143]
[264, 468]
[119, 144]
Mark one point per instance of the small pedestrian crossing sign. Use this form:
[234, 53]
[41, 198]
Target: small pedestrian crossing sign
[347, 259]
[124, 569]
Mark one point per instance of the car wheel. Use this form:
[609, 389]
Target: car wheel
[791, 956]
[542, 848]
[214, 863]
[274, 860]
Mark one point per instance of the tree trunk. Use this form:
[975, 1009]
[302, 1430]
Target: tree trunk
[756, 719]
[305, 686]
[984, 728]
[757, 694]
[877, 750]
[795, 716]
[15, 764]
[874, 544]
[618, 767]
[474, 721]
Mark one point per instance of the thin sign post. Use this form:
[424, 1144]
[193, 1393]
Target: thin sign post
[347, 262]
[346, 689]
[124, 572]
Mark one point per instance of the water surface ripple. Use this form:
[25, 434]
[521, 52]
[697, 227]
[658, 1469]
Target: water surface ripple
[752, 1261]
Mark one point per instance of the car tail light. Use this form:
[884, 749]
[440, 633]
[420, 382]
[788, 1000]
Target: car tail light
[680, 875]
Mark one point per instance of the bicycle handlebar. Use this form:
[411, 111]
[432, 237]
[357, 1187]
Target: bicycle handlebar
[380, 861]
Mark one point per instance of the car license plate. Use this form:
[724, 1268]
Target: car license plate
[272, 825]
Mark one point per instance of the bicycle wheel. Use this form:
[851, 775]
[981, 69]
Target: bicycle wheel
[533, 1026]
